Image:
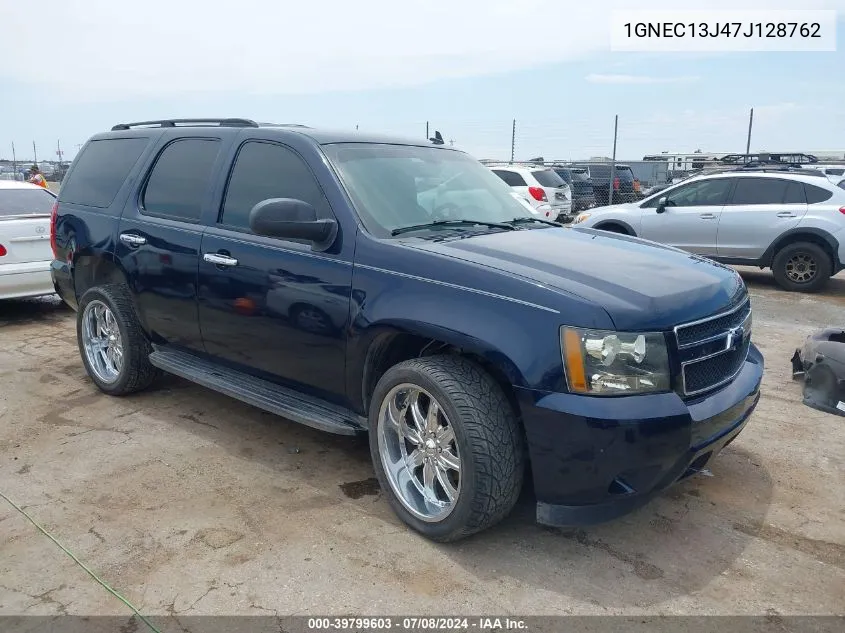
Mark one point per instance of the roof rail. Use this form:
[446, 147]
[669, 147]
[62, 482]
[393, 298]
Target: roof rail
[187, 122]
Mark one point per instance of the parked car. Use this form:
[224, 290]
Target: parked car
[624, 187]
[547, 192]
[25, 253]
[463, 333]
[834, 173]
[580, 185]
[789, 221]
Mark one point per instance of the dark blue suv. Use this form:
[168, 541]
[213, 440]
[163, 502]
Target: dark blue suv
[356, 284]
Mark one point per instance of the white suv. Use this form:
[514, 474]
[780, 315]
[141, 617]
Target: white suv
[790, 221]
[547, 192]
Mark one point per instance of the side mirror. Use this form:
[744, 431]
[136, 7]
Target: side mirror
[292, 219]
[661, 204]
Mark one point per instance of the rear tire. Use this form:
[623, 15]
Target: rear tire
[114, 348]
[481, 434]
[802, 267]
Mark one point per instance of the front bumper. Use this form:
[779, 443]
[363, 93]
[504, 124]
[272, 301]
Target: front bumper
[596, 458]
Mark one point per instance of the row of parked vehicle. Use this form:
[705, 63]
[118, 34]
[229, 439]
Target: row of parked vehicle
[559, 192]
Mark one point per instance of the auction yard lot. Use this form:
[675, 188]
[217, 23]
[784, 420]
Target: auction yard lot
[188, 502]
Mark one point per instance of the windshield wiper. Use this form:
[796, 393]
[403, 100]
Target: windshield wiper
[524, 219]
[417, 227]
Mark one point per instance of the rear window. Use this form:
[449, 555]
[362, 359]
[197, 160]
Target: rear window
[580, 174]
[25, 202]
[600, 171]
[547, 178]
[100, 170]
[816, 194]
[565, 175]
[624, 174]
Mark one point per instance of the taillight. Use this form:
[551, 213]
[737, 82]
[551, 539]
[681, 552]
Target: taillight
[3, 250]
[538, 193]
[616, 184]
[53, 213]
[842, 210]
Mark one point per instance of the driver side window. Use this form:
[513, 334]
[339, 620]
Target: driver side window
[704, 193]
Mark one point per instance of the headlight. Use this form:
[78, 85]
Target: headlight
[603, 363]
[581, 217]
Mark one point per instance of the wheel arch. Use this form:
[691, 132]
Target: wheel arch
[805, 234]
[608, 225]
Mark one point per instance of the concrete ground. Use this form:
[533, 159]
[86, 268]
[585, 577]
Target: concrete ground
[189, 502]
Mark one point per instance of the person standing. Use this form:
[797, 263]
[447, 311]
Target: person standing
[36, 178]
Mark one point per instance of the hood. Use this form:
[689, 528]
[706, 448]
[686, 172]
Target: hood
[641, 285]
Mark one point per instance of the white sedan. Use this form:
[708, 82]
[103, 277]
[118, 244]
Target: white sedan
[25, 252]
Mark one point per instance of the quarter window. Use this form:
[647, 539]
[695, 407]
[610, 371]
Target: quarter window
[266, 170]
[510, 177]
[180, 179]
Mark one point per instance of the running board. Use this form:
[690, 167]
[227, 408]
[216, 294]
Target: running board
[263, 394]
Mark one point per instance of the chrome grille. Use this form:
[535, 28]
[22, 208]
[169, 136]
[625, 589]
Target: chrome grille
[712, 350]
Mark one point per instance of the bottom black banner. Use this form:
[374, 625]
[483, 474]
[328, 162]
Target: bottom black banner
[373, 624]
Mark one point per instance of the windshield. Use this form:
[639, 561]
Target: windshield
[25, 202]
[396, 186]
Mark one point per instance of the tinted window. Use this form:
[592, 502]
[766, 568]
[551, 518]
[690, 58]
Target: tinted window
[25, 202]
[99, 171]
[624, 174]
[180, 179]
[760, 191]
[794, 193]
[816, 194]
[835, 172]
[599, 171]
[580, 174]
[695, 194]
[565, 175]
[510, 177]
[547, 178]
[262, 171]
[841, 184]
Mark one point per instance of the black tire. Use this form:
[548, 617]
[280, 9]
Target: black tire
[813, 253]
[487, 434]
[136, 373]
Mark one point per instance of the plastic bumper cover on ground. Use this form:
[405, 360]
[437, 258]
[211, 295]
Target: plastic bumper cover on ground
[596, 458]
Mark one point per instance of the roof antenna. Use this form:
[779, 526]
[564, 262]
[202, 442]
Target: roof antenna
[437, 139]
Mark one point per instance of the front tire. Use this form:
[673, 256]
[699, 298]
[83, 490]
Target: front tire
[446, 446]
[112, 344]
[801, 267]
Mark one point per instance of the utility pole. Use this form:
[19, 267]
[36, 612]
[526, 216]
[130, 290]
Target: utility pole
[513, 139]
[748, 142]
[59, 151]
[14, 161]
[613, 161]
[426, 130]
[35, 154]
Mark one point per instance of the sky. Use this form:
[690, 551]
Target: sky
[467, 67]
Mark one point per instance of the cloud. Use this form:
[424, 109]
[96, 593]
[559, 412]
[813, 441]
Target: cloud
[166, 47]
[638, 79]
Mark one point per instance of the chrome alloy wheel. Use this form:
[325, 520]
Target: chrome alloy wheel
[801, 268]
[101, 341]
[419, 453]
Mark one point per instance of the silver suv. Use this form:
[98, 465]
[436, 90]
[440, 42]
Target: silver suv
[789, 221]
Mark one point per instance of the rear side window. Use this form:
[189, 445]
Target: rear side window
[180, 179]
[816, 194]
[25, 202]
[265, 170]
[99, 171]
[547, 178]
[760, 191]
[510, 177]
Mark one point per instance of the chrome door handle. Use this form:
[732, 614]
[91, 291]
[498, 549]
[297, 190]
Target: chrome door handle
[132, 240]
[707, 216]
[219, 260]
[786, 214]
